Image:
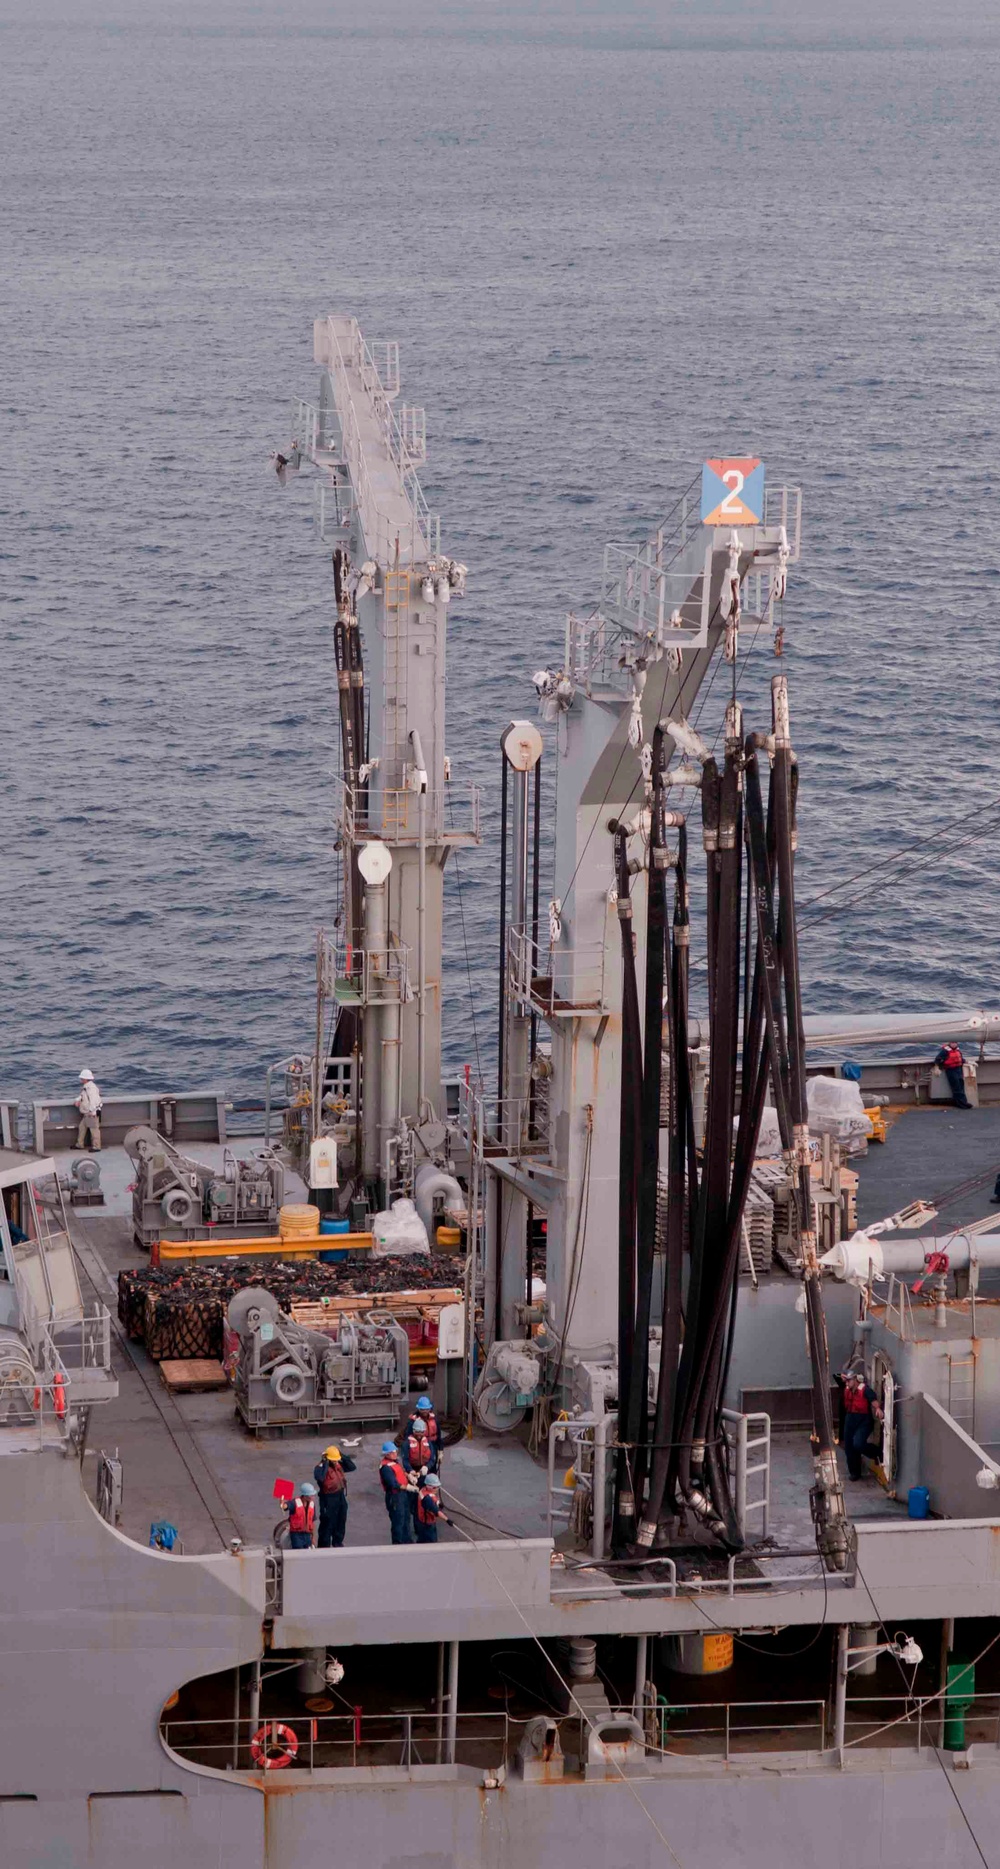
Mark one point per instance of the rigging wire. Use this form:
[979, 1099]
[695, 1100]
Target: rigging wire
[571, 1697]
[836, 908]
[984, 830]
[904, 852]
[921, 1704]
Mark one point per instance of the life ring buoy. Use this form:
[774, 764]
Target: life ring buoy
[262, 1746]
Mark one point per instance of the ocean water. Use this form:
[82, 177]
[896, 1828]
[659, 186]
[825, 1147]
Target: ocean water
[612, 242]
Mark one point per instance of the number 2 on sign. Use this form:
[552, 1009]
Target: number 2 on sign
[734, 481]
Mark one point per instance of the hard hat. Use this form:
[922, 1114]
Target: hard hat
[389, 1447]
[86, 1077]
[432, 1480]
[331, 1453]
[424, 1405]
[308, 1490]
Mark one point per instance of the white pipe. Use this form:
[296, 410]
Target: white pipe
[421, 776]
[430, 1182]
[887, 1028]
[439, 1722]
[976, 1024]
[840, 1692]
[375, 954]
[641, 1660]
[452, 1703]
[599, 1481]
[851, 1259]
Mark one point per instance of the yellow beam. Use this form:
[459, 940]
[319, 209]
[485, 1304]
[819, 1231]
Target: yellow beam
[164, 1251]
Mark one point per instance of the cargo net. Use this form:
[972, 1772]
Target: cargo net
[180, 1314]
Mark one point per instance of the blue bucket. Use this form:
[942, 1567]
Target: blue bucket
[334, 1226]
[918, 1502]
[333, 1258]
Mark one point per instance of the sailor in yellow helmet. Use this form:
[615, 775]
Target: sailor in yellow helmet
[331, 1480]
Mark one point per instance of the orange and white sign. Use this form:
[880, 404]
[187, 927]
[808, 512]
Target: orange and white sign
[732, 492]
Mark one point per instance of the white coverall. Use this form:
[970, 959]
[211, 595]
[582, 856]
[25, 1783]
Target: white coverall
[89, 1104]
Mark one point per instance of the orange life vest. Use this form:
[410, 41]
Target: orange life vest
[302, 1516]
[428, 1506]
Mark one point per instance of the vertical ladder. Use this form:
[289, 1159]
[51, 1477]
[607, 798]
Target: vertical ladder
[962, 1391]
[397, 640]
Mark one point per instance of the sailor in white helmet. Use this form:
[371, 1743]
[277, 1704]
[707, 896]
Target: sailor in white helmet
[89, 1105]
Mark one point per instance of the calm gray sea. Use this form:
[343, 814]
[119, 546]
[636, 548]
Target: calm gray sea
[612, 241]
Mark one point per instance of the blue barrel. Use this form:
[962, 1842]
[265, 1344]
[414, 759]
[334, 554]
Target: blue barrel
[334, 1226]
[918, 1502]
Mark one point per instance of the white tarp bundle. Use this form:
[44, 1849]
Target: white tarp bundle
[835, 1109]
[399, 1230]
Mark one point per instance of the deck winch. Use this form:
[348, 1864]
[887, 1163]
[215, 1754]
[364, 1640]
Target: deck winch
[177, 1198]
[287, 1374]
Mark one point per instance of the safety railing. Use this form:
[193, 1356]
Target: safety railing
[639, 593]
[559, 983]
[720, 1729]
[513, 1126]
[585, 1505]
[285, 1743]
[799, 1570]
[783, 507]
[404, 441]
[897, 1300]
[365, 976]
[912, 1720]
[78, 1348]
[393, 813]
[748, 1446]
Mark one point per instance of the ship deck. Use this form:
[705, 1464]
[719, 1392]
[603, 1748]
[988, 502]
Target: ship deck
[186, 1458]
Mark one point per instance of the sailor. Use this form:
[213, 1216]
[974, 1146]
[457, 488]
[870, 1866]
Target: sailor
[329, 1477]
[859, 1408]
[399, 1489]
[425, 1421]
[951, 1061]
[301, 1518]
[419, 1456]
[428, 1510]
[89, 1105]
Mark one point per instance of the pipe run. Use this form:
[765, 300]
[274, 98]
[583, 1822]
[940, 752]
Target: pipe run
[862, 1255]
[432, 1182]
[420, 780]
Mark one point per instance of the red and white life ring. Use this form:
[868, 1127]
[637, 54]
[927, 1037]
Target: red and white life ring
[269, 1736]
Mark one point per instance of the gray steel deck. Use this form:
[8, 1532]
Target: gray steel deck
[188, 1460]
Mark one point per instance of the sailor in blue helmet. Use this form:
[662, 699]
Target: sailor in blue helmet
[301, 1518]
[399, 1492]
[423, 1421]
[428, 1510]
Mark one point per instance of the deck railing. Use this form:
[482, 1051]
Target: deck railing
[330, 1742]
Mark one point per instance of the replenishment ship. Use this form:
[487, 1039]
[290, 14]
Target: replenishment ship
[647, 1279]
